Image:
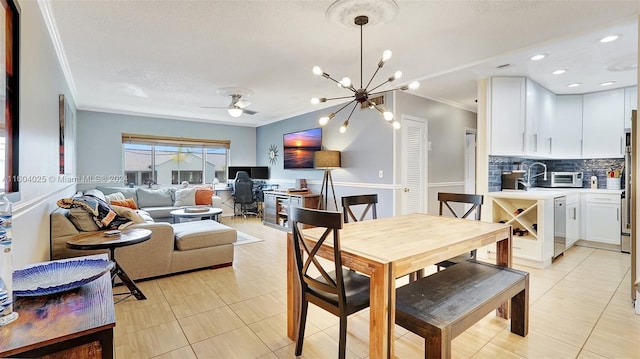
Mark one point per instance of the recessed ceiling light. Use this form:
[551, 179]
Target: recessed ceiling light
[538, 57]
[575, 85]
[559, 71]
[610, 38]
[608, 83]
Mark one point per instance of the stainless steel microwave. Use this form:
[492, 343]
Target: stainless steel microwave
[562, 179]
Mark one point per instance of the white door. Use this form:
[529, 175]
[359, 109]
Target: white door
[414, 165]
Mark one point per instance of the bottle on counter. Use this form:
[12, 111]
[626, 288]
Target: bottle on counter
[7, 315]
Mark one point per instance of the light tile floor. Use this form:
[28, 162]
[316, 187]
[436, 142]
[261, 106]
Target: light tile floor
[579, 308]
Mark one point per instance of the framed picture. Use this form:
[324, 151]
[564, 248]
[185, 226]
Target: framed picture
[67, 135]
[9, 97]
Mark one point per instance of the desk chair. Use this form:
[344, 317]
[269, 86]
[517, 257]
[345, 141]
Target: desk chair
[370, 200]
[337, 290]
[243, 194]
[475, 200]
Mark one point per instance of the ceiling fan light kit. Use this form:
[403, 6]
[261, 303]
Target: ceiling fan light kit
[383, 10]
[237, 106]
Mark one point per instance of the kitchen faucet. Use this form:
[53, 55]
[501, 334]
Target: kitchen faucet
[529, 177]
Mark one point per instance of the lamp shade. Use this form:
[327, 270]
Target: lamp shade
[326, 159]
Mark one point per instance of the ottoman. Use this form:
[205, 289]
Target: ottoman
[202, 241]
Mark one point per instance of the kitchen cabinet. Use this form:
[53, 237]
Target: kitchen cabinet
[566, 128]
[540, 111]
[507, 116]
[531, 218]
[603, 124]
[602, 218]
[630, 104]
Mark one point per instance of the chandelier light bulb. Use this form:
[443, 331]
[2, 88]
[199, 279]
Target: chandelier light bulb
[414, 85]
[323, 120]
[235, 112]
[397, 75]
[345, 82]
[343, 128]
[396, 125]
[315, 101]
[388, 116]
[386, 55]
[317, 70]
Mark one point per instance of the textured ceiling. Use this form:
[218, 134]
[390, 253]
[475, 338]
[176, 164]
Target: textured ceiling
[168, 58]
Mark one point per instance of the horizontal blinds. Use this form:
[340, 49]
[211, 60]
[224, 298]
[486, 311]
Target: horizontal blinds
[178, 141]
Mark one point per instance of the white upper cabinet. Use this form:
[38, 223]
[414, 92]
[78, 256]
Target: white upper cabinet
[507, 119]
[603, 124]
[630, 103]
[540, 119]
[566, 129]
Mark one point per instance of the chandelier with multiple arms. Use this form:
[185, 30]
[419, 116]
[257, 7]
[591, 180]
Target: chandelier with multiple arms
[363, 94]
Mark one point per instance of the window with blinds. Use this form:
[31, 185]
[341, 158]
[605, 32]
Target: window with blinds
[172, 160]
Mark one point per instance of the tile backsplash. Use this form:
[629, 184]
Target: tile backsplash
[589, 167]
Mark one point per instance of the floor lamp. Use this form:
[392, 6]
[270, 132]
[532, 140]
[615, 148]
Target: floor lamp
[327, 160]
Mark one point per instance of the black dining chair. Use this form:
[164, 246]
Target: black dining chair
[369, 201]
[446, 199]
[336, 290]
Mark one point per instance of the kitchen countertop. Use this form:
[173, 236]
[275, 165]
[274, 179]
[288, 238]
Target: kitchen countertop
[550, 193]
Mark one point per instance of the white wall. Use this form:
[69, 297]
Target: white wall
[41, 80]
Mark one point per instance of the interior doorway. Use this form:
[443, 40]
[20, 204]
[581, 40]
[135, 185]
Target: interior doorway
[470, 161]
[414, 165]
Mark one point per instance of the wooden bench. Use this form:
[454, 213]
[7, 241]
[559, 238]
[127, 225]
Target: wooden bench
[441, 306]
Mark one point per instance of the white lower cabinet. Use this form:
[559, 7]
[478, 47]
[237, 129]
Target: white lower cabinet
[573, 219]
[602, 218]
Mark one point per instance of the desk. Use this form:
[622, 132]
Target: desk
[79, 322]
[389, 248]
[127, 237]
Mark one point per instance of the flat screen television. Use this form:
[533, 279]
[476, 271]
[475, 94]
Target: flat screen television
[259, 173]
[299, 148]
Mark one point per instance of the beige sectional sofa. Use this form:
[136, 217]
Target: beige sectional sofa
[172, 248]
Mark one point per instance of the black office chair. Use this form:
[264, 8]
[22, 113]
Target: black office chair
[243, 194]
[337, 290]
[446, 199]
[370, 200]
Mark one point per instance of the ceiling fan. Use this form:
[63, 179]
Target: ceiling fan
[237, 106]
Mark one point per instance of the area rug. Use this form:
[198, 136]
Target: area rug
[244, 238]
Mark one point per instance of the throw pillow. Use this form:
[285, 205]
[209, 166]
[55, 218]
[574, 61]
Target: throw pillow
[128, 213]
[185, 197]
[82, 220]
[154, 197]
[96, 193]
[203, 196]
[117, 196]
[128, 202]
[126, 191]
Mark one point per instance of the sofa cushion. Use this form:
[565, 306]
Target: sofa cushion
[204, 196]
[82, 220]
[126, 191]
[116, 196]
[154, 197]
[128, 213]
[128, 202]
[201, 234]
[185, 197]
[160, 212]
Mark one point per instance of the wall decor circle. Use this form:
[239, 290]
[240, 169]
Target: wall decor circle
[273, 154]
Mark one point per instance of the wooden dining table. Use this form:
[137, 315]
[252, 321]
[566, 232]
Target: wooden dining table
[389, 248]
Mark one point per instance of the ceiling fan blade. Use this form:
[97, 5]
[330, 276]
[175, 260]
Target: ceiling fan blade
[243, 103]
[249, 112]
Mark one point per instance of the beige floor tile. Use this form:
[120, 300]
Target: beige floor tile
[188, 305]
[602, 342]
[237, 292]
[130, 321]
[180, 285]
[535, 345]
[238, 343]
[273, 331]
[492, 351]
[209, 324]
[571, 331]
[357, 334]
[149, 288]
[150, 342]
[319, 345]
[585, 354]
[182, 353]
[258, 308]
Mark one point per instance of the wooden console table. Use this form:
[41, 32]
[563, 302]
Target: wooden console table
[74, 324]
[277, 204]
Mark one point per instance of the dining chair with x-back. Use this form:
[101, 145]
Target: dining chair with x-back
[448, 199]
[337, 290]
[365, 202]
